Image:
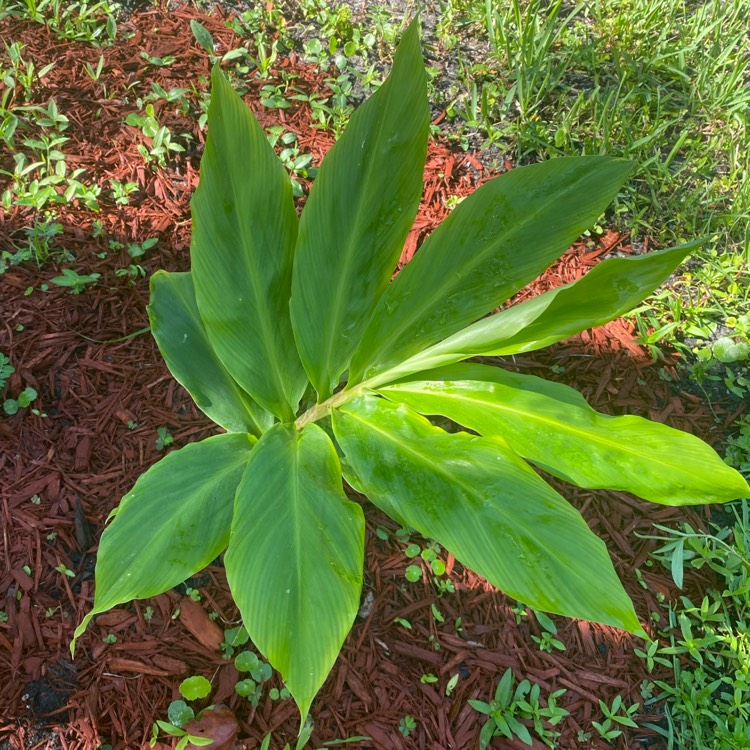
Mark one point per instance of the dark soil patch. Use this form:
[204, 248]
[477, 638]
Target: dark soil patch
[105, 392]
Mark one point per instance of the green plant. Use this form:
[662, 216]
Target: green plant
[615, 715]
[159, 137]
[705, 700]
[6, 369]
[21, 401]
[65, 570]
[39, 236]
[304, 735]
[121, 191]
[509, 708]
[291, 336]
[163, 438]
[406, 725]
[260, 672]
[180, 713]
[76, 282]
[546, 640]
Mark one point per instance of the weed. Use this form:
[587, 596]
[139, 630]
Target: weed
[406, 725]
[179, 713]
[547, 641]
[6, 369]
[76, 282]
[121, 191]
[509, 708]
[615, 715]
[163, 438]
[705, 701]
[160, 144]
[21, 401]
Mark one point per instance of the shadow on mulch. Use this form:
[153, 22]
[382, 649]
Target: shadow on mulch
[104, 393]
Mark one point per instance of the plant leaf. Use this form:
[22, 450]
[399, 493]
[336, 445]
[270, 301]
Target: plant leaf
[202, 36]
[357, 216]
[244, 230]
[295, 556]
[608, 290]
[551, 425]
[481, 501]
[177, 327]
[497, 240]
[174, 522]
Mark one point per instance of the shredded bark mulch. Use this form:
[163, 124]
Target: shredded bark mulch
[104, 392]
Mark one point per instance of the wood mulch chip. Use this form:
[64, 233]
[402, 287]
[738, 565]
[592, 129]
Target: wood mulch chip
[105, 395]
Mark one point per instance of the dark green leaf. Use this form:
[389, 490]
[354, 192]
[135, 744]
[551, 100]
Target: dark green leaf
[182, 340]
[360, 209]
[551, 425]
[244, 231]
[607, 291]
[482, 502]
[496, 241]
[202, 36]
[174, 522]
[295, 557]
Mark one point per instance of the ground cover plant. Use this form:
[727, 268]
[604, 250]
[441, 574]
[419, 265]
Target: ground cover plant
[249, 334]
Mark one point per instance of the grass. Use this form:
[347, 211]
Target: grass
[707, 701]
[661, 82]
[665, 83]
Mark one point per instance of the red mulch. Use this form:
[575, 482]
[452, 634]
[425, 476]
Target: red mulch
[62, 473]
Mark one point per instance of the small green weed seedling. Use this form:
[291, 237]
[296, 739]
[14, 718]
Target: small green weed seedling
[21, 401]
[509, 708]
[76, 282]
[65, 570]
[121, 191]
[293, 336]
[304, 736]
[406, 725]
[179, 713]
[135, 271]
[163, 438]
[39, 236]
[161, 145]
[547, 641]
[616, 715]
[6, 369]
[159, 62]
[259, 671]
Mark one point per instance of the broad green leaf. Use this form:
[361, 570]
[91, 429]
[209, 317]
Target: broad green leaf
[244, 231]
[295, 556]
[607, 291]
[177, 327]
[551, 425]
[493, 243]
[202, 36]
[481, 501]
[174, 522]
[357, 216]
